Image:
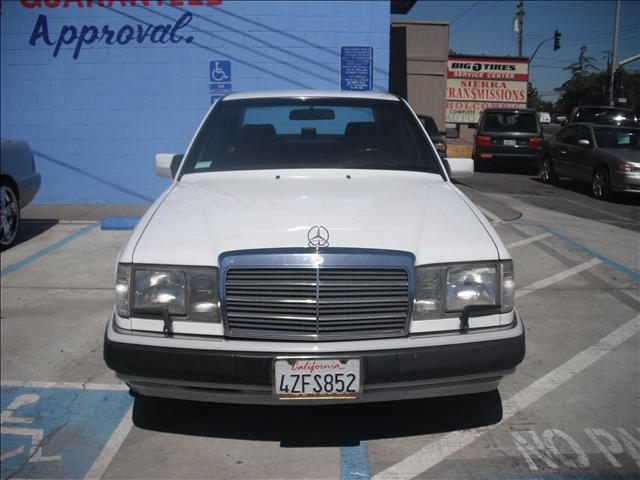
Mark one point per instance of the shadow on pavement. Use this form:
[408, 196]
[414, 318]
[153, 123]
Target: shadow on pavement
[318, 426]
[585, 189]
[32, 228]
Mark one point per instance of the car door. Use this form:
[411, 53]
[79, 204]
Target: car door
[582, 155]
[561, 151]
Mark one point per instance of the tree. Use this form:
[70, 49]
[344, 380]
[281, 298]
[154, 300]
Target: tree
[585, 87]
[537, 103]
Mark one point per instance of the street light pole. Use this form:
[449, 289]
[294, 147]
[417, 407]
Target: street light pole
[614, 54]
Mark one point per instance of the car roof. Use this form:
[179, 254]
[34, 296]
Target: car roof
[527, 110]
[601, 125]
[309, 94]
[595, 107]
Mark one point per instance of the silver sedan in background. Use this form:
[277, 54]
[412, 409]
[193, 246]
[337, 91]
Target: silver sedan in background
[606, 156]
[19, 183]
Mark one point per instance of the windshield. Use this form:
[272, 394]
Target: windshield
[510, 122]
[628, 138]
[310, 133]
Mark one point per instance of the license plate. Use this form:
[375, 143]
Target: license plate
[511, 143]
[316, 379]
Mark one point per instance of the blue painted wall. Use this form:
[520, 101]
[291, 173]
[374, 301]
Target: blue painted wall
[140, 85]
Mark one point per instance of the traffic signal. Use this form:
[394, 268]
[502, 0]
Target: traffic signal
[556, 40]
[529, 89]
[617, 82]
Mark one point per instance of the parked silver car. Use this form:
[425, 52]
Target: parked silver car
[606, 156]
[19, 183]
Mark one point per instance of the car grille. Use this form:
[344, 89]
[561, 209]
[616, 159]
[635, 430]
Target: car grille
[316, 304]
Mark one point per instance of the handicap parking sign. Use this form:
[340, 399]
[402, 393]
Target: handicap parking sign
[220, 70]
[56, 432]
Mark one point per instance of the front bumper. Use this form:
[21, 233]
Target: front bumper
[625, 182]
[228, 376]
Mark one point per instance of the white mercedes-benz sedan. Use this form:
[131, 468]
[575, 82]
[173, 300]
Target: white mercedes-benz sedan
[312, 248]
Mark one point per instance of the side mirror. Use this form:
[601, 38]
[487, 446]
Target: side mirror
[474, 126]
[167, 164]
[460, 167]
[584, 142]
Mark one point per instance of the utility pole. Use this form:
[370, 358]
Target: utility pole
[520, 16]
[614, 54]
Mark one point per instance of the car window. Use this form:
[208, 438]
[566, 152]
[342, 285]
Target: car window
[624, 138]
[566, 135]
[430, 126]
[582, 133]
[311, 133]
[510, 122]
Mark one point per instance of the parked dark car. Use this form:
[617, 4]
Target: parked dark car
[19, 183]
[435, 134]
[606, 156]
[603, 116]
[513, 135]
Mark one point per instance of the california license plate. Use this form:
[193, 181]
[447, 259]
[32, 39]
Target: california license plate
[316, 379]
[511, 143]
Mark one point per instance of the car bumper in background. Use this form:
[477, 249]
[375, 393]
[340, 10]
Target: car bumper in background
[627, 183]
[230, 376]
[28, 187]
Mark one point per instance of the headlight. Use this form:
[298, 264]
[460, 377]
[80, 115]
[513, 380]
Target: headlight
[468, 285]
[155, 290]
[189, 292]
[444, 290]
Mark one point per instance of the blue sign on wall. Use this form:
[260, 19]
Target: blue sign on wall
[220, 76]
[356, 68]
[220, 71]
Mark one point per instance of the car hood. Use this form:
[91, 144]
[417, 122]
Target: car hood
[207, 214]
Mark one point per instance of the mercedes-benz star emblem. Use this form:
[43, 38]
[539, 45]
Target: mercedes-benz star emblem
[318, 236]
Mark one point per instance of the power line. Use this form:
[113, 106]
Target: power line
[477, 16]
[465, 12]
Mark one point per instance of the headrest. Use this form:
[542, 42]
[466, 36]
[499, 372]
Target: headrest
[258, 133]
[361, 132]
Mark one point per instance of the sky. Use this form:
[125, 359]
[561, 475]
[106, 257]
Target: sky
[485, 27]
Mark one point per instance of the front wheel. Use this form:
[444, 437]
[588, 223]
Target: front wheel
[9, 215]
[600, 184]
[547, 173]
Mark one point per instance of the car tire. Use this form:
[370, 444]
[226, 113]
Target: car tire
[9, 214]
[547, 172]
[600, 183]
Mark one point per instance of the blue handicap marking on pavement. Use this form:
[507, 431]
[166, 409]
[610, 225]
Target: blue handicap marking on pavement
[56, 432]
[220, 70]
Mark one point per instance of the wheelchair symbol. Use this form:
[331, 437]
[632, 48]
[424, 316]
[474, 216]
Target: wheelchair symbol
[36, 434]
[220, 73]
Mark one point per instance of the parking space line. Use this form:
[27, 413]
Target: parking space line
[354, 462]
[612, 263]
[527, 241]
[438, 450]
[545, 282]
[41, 253]
[82, 386]
[111, 447]
[119, 223]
